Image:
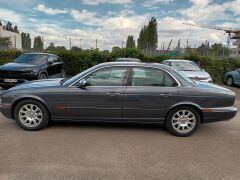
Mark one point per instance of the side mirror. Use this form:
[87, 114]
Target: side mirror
[82, 83]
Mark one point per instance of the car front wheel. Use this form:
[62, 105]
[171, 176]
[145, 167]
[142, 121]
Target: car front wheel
[31, 115]
[182, 121]
[42, 76]
[230, 81]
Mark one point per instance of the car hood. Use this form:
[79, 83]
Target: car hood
[196, 74]
[17, 67]
[38, 84]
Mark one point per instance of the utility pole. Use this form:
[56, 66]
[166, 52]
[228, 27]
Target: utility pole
[187, 43]
[96, 43]
[70, 43]
[122, 43]
[80, 43]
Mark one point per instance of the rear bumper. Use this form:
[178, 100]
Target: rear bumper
[218, 114]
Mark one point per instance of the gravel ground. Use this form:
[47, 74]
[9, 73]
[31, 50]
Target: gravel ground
[103, 151]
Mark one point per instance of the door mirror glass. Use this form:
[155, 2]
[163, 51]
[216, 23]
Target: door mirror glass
[82, 83]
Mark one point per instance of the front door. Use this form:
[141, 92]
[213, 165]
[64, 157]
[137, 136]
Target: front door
[101, 99]
[150, 93]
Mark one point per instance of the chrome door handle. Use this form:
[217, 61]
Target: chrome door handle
[165, 95]
[113, 93]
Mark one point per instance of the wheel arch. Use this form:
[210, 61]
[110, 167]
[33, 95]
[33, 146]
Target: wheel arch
[20, 99]
[43, 71]
[193, 105]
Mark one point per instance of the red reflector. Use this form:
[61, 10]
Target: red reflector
[60, 106]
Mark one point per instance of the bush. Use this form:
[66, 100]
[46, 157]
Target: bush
[78, 61]
[215, 67]
[8, 56]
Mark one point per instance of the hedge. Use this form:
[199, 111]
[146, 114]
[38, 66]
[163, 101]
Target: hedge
[79, 61]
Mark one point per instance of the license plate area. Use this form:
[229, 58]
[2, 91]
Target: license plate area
[10, 80]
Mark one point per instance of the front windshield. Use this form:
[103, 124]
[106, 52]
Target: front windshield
[33, 59]
[185, 66]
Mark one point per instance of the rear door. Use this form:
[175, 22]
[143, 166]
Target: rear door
[149, 94]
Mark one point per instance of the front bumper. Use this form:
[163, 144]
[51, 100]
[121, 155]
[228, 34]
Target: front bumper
[218, 114]
[19, 81]
[5, 109]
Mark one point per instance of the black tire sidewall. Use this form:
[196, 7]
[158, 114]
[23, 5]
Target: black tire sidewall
[168, 121]
[42, 73]
[39, 105]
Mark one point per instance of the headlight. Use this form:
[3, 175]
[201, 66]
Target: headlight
[0, 101]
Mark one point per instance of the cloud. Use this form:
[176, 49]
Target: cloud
[12, 16]
[43, 8]
[152, 3]
[85, 17]
[205, 11]
[96, 2]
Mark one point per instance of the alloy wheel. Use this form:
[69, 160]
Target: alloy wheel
[30, 115]
[183, 121]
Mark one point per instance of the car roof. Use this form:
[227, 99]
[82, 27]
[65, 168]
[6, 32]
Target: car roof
[177, 60]
[142, 64]
[49, 54]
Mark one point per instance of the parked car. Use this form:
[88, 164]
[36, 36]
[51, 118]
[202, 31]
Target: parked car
[31, 66]
[232, 78]
[190, 69]
[128, 60]
[120, 92]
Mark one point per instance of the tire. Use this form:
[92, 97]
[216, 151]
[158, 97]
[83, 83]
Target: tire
[230, 81]
[42, 76]
[182, 127]
[31, 115]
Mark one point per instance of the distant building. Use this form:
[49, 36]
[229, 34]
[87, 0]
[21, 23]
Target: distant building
[15, 38]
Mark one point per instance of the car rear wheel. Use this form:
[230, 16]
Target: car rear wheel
[42, 76]
[230, 81]
[31, 115]
[182, 121]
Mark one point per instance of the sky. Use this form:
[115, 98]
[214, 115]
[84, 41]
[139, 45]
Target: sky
[111, 21]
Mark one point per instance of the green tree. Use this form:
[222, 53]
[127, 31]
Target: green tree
[116, 49]
[38, 43]
[51, 47]
[130, 42]
[5, 43]
[15, 29]
[75, 48]
[26, 41]
[29, 41]
[148, 37]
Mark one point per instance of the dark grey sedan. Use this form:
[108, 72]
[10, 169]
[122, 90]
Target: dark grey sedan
[120, 92]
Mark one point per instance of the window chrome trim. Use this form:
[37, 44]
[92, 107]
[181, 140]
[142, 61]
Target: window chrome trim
[139, 66]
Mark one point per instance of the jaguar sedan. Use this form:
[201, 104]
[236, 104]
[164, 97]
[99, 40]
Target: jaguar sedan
[120, 92]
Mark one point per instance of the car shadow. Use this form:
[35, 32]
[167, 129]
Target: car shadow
[106, 125]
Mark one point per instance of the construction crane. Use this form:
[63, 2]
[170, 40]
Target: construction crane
[169, 45]
[231, 32]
